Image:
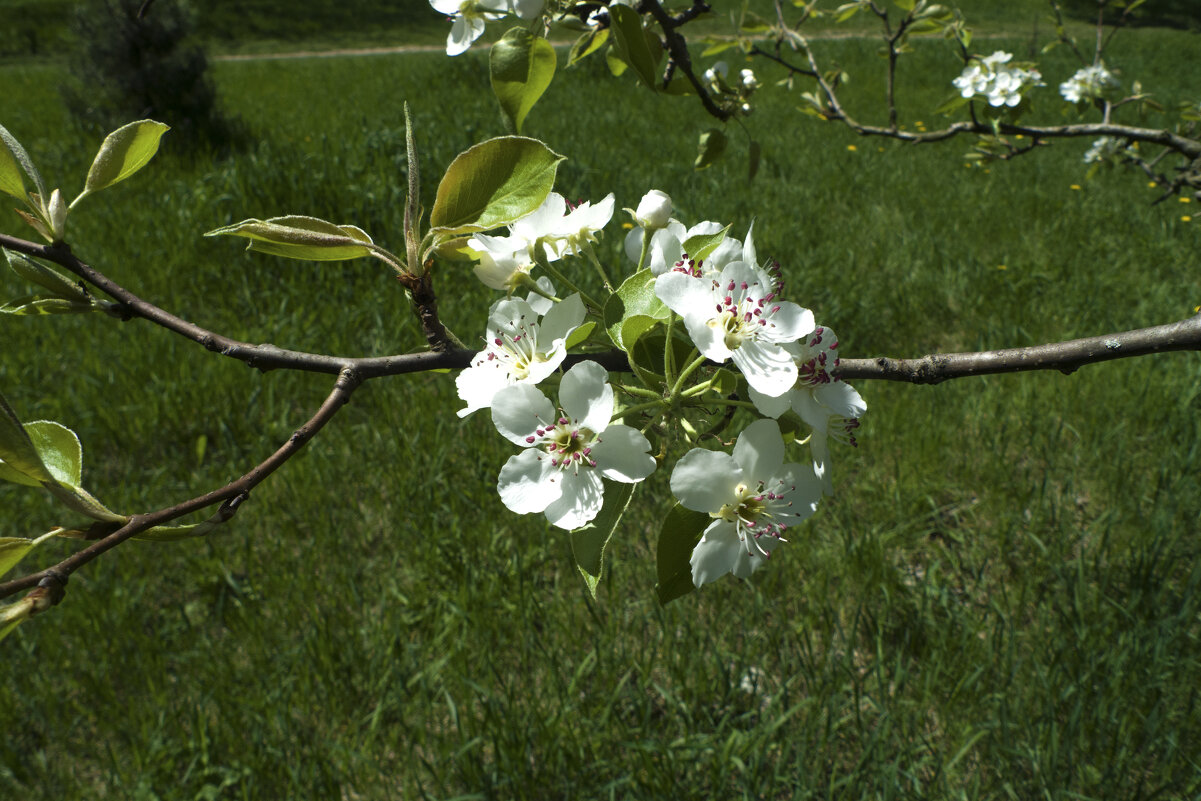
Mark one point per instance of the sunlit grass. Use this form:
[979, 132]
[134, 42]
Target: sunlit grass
[1001, 601]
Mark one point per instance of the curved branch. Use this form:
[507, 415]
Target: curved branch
[678, 48]
[232, 494]
[1065, 357]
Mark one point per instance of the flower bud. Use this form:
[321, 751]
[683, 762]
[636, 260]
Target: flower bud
[654, 210]
[58, 216]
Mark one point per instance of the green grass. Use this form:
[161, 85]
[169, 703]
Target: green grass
[1003, 600]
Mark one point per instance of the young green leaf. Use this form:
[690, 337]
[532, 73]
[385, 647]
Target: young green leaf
[17, 451]
[36, 305]
[635, 298]
[493, 184]
[47, 277]
[700, 246]
[522, 66]
[587, 44]
[59, 449]
[14, 549]
[681, 531]
[10, 180]
[299, 237]
[589, 542]
[123, 152]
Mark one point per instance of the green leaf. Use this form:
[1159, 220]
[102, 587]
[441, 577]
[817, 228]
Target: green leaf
[522, 66]
[955, 102]
[709, 149]
[700, 246]
[13, 614]
[123, 152]
[681, 531]
[580, 334]
[77, 499]
[299, 237]
[631, 43]
[493, 184]
[717, 47]
[905, 5]
[753, 157]
[589, 542]
[587, 44]
[32, 305]
[46, 277]
[59, 449]
[634, 298]
[10, 179]
[614, 61]
[175, 533]
[17, 451]
[14, 549]
[846, 11]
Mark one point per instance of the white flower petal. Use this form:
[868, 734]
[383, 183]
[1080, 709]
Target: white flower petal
[704, 481]
[768, 368]
[581, 499]
[841, 398]
[478, 385]
[563, 318]
[771, 406]
[587, 397]
[759, 450]
[622, 454]
[520, 409]
[528, 483]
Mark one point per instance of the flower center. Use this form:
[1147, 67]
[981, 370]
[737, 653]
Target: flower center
[568, 445]
[742, 312]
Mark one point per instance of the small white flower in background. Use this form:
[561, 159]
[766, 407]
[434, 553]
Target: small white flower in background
[654, 211]
[566, 454]
[829, 405]
[526, 9]
[520, 348]
[716, 75]
[667, 252]
[1087, 84]
[749, 82]
[736, 316]
[991, 78]
[468, 17]
[1104, 149]
[752, 496]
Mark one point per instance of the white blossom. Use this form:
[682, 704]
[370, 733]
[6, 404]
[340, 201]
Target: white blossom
[1087, 84]
[566, 453]
[468, 18]
[736, 315]
[752, 496]
[991, 78]
[520, 349]
[830, 406]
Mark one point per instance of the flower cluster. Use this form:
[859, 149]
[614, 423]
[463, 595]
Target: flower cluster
[1089, 83]
[695, 285]
[549, 233]
[1105, 149]
[994, 79]
[732, 94]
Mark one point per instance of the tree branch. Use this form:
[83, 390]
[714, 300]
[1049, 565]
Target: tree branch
[1065, 357]
[232, 494]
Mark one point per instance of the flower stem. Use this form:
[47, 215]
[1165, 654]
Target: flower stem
[646, 248]
[687, 371]
[600, 270]
[558, 276]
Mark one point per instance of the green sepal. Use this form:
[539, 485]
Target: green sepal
[635, 298]
[298, 237]
[522, 66]
[123, 152]
[723, 382]
[589, 542]
[700, 246]
[681, 531]
[710, 146]
[632, 44]
[492, 184]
